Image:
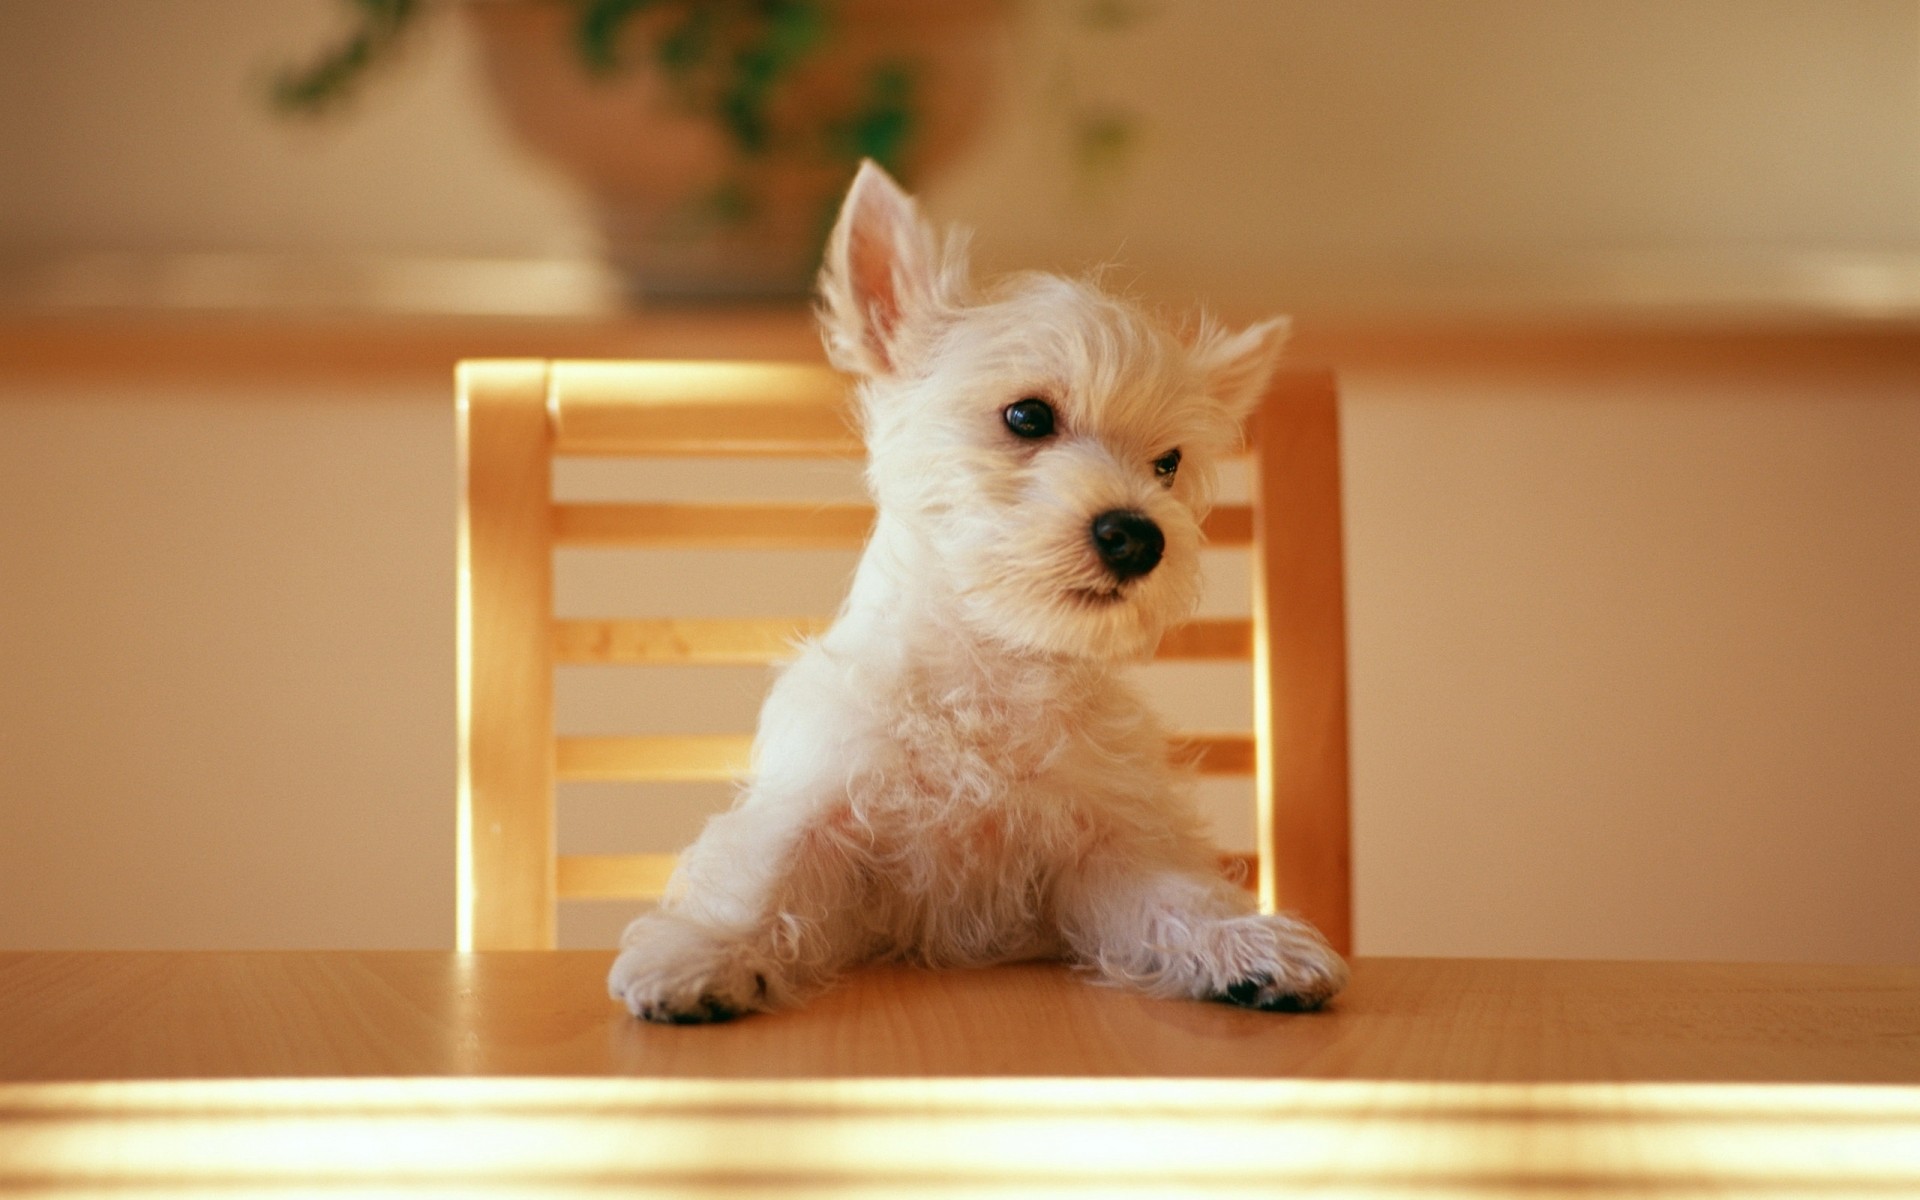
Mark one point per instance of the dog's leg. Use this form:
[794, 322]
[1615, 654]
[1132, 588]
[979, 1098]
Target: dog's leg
[752, 922]
[1173, 932]
[675, 969]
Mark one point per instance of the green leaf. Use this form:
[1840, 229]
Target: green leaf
[795, 29]
[689, 43]
[332, 77]
[884, 125]
[597, 32]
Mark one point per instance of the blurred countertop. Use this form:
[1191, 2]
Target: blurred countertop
[404, 322]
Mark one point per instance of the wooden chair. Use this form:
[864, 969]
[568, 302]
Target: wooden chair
[516, 416]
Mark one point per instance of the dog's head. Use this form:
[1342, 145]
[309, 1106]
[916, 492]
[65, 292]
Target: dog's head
[1049, 443]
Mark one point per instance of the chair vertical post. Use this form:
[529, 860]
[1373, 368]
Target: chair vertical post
[505, 859]
[1300, 667]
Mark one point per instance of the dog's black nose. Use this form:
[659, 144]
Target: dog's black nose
[1128, 543]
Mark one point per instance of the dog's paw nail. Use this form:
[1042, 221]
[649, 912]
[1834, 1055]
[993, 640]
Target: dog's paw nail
[1245, 993]
[1254, 993]
[707, 1010]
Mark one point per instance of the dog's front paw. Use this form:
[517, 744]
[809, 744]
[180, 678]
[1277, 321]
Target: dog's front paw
[1267, 995]
[1280, 965]
[672, 972]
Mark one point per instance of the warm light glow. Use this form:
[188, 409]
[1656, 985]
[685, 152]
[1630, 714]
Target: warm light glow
[671, 407]
[463, 689]
[1018, 1135]
[1267, 870]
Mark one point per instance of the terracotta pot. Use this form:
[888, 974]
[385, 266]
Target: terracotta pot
[657, 171]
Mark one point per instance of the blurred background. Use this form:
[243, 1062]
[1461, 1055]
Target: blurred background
[1624, 296]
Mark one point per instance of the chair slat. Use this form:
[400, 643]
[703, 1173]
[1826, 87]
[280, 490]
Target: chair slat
[749, 641]
[774, 526]
[1241, 866]
[504, 798]
[613, 876]
[722, 526]
[644, 876]
[707, 757]
[757, 641]
[1207, 639]
[654, 758]
[677, 409]
[1229, 525]
[1216, 753]
[1300, 668]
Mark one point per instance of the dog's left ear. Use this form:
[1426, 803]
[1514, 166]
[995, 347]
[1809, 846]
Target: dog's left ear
[1238, 366]
[883, 284]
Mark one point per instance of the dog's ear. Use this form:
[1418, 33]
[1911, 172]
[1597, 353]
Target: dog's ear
[883, 282]
[1238, 366]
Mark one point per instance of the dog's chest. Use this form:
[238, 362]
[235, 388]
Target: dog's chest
[964, 827]
[989, 773]
[976, 749]
[975, 736]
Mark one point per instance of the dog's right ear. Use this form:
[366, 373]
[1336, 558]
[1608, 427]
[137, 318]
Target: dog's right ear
[883, 284]
[1237, 366]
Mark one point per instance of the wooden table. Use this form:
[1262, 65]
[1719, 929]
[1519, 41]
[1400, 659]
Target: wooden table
[171, 1072]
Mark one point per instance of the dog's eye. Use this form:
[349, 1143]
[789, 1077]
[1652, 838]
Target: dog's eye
[1029, 418]
[1167, 464]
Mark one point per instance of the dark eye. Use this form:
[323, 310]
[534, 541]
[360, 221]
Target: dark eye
[1029, 418]
[1166, 465]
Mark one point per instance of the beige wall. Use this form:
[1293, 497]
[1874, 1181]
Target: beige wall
[1637, 664]
[226, 664]
[140, 125]
[1292, 145]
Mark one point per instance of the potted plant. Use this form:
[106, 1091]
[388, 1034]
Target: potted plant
[712, 136]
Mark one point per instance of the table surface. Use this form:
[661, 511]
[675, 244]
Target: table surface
[404, 1013]
[176, 1073]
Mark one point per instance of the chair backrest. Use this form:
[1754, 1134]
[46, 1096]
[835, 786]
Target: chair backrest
[516, 416]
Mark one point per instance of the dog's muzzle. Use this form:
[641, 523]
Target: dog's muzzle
[1128, 543]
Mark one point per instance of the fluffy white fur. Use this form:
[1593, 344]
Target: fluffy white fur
[955, 773]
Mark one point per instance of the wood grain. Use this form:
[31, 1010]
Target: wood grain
[512, 1074]
[187, 1015]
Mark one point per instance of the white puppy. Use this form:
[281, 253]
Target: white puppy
[956, 773]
